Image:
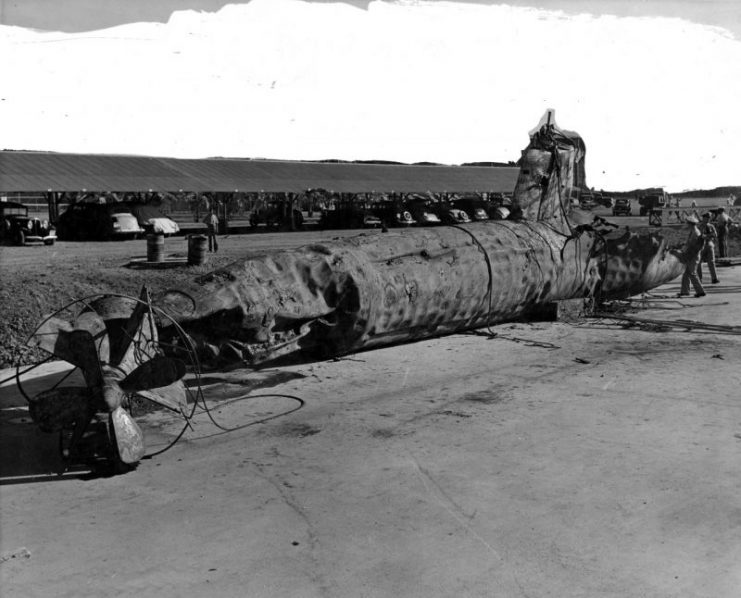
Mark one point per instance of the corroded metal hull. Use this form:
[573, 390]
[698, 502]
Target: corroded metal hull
[373, 290]
[377, 289]
[638, 263]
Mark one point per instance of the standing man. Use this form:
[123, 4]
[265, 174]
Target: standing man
[723, 223]
[708, 251]
[692, 258]
[212, 224]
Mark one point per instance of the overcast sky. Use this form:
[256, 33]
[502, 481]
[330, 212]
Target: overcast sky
[654, 87]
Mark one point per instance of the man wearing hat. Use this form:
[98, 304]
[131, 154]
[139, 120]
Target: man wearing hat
[212, 226]
[707, 255]
[692, 259]
[723, 222]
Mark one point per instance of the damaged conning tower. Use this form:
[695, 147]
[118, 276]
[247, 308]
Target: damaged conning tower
[370, 290]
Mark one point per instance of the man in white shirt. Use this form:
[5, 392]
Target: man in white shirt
[212, 225]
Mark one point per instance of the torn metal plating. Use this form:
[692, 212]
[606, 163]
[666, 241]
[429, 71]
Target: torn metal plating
[357, 293]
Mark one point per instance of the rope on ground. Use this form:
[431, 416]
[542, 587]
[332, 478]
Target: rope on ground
[516, 339]
[224, 430]
[666, 325]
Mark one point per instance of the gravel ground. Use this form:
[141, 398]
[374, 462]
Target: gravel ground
[38, 280]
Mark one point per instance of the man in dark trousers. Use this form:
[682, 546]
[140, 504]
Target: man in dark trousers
[212, 224]
[708, 251]
[722, 224]
[692, 250]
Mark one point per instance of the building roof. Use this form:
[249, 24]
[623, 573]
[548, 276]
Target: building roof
[43, 171]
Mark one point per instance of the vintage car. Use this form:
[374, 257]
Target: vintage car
[422, 212]
[500, 199]
[350, 214]
[448, 213]
[393, 213]
[275, 214]
[473, 206]
[98, 221]
[18, 228]
[152, 220]
[622, 207]
[604, 200]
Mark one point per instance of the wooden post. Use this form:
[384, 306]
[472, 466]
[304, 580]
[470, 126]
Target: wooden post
[51, 206]
[224, 218]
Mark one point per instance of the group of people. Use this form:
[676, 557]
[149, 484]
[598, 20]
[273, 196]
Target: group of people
[700, 247]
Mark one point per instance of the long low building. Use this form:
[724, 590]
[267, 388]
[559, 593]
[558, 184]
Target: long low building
[48, 172]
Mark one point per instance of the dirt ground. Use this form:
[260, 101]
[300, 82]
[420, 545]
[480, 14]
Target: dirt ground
[592, 458]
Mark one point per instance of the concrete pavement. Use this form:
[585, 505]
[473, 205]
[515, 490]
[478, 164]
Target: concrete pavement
[593, 458]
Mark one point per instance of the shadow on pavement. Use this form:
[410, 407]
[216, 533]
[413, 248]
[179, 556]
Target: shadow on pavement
[30, 455]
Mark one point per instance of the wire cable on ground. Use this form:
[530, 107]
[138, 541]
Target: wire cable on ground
[685, 324]
[226, 430]
[516, 339]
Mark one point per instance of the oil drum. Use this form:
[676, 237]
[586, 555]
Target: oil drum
[156, 248]
[197, 250]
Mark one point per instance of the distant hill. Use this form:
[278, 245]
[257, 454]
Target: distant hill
[482, 164]
[377, 162]
[490, 164]
[719, 192]
[722, 192]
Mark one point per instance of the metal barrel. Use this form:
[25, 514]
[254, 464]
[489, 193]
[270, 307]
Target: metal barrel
[197, 250]
[156, 248]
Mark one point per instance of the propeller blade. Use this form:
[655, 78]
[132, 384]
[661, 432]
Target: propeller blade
[81, 348]
[74, 346]
[128, 435]
[173, 397]
[155, 373]
[47, 338]
[58, 408]
[139, 341]
[94, 324]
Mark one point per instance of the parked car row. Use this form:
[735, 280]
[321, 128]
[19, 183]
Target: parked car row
[94, 220]
[106, 221]
[413, 212]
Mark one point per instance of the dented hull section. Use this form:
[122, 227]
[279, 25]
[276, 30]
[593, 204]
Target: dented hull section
[371, 290]
[638, 263]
